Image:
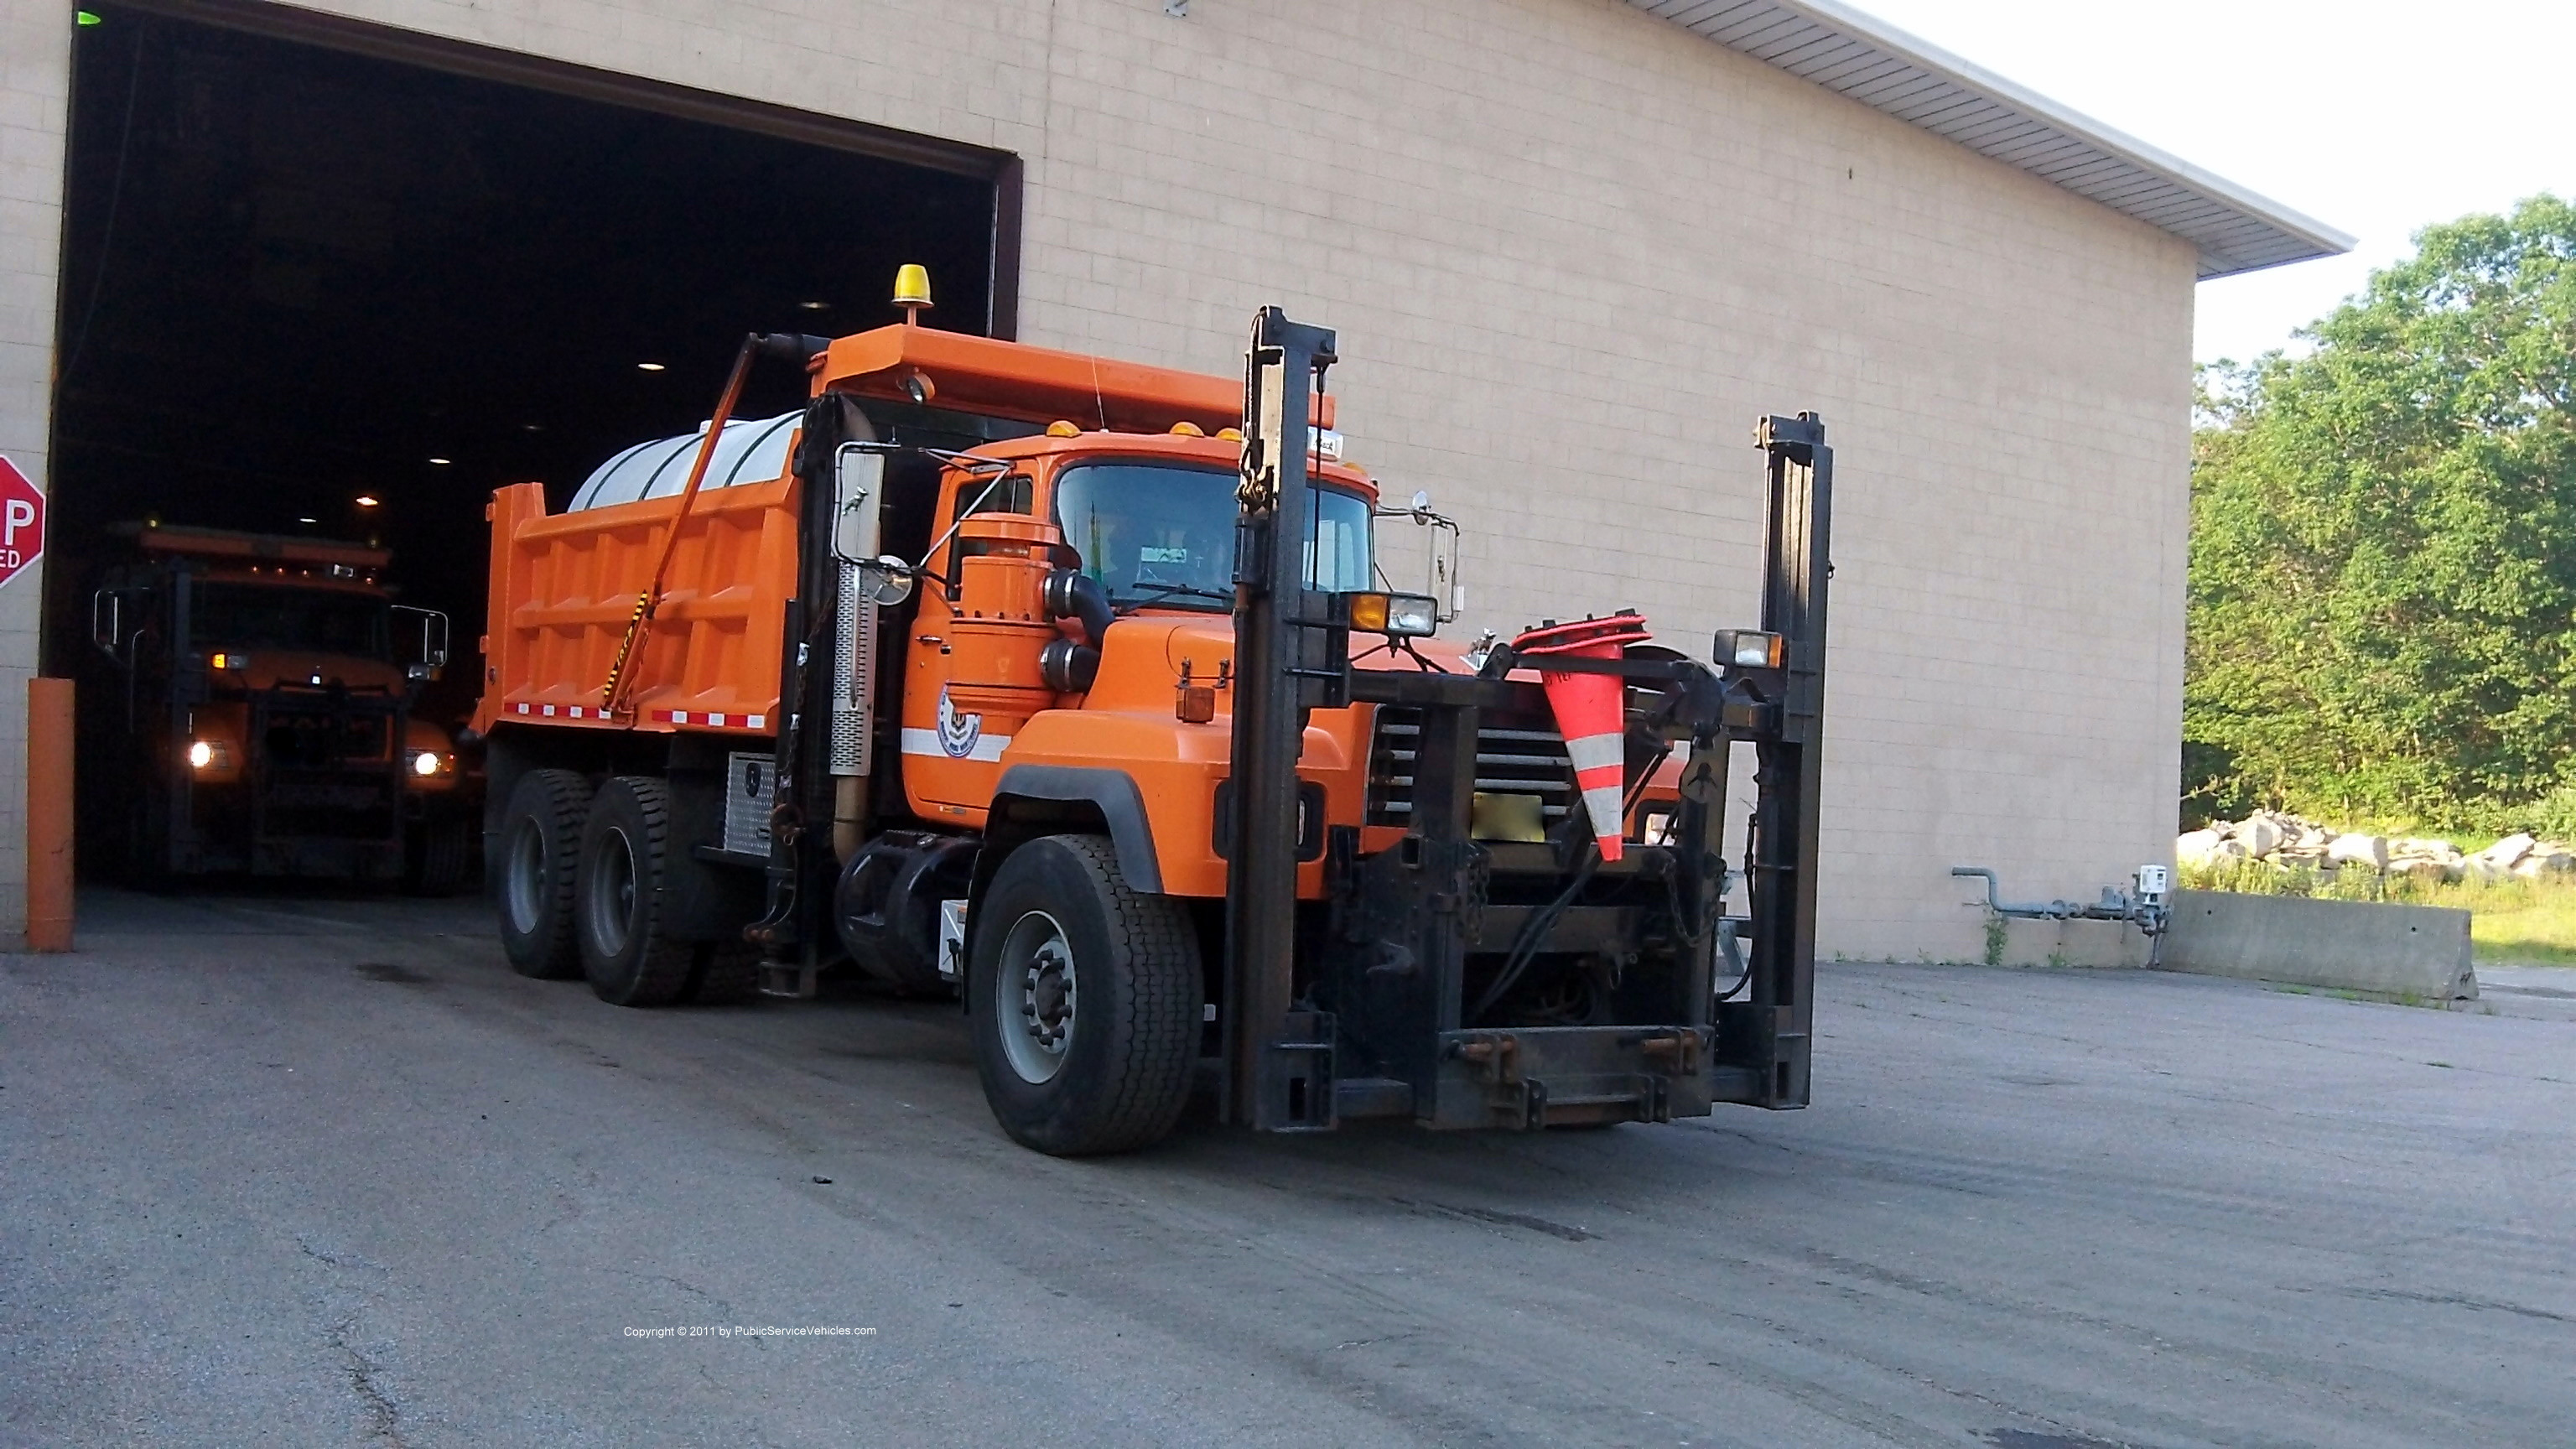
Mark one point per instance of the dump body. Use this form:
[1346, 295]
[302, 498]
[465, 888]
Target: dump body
[563, 590]
[955, 768]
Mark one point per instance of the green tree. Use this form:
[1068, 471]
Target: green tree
[2383, 553]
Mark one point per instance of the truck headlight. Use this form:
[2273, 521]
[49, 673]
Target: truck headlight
[1751, 649]
[428, 763]
[1405, 616]
[210, 755]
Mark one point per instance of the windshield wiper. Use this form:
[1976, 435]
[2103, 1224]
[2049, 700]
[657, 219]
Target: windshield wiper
[1168, 590]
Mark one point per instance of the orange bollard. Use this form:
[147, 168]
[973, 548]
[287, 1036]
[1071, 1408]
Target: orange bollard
[1591, 712]
[49, 814]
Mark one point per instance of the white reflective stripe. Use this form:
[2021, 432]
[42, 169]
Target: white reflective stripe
[523, 709]
[1595, 752]
[717, 720]
[550, 711]
[1601, 802]
[756, 722]
[988, 748]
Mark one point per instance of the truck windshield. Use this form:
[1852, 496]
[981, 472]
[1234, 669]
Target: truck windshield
[261, 616]
[1165, 532]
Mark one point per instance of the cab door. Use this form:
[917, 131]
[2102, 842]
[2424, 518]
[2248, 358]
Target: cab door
[971, 675]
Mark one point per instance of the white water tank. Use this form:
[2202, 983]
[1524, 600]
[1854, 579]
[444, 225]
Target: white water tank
[751, 451]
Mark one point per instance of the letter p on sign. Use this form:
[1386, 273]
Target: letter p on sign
[22, 522]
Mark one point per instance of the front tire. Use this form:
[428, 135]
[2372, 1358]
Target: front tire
[434, 865]
[617, 897]
[532, 881]
[1085, 997]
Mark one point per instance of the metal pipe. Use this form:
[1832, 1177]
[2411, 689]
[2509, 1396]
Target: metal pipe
[2028, 911]
[2146, 910]
[849, 816]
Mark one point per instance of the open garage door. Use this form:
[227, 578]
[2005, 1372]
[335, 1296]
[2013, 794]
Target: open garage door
[335, 282]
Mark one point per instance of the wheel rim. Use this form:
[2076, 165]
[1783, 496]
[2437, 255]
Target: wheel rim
[610, 901]
[1034, 997]
[527, 877]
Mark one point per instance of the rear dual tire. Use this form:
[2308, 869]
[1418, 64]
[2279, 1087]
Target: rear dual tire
[618, 897]
[582, 884]
[532, 880]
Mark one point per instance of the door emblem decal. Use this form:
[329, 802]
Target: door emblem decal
[957, 732]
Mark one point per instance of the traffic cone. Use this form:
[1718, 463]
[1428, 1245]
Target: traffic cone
[1591, 712]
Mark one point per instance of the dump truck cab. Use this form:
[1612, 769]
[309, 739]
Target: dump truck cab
[255, 715]
[1075, 688]
[1013, 683]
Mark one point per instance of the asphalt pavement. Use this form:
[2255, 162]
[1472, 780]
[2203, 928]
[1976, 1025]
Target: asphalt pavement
[323, 1173]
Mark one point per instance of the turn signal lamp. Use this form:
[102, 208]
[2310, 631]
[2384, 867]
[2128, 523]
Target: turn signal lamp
[1062, 429]
[230, 661]
[1231, 435]
[1751, 649]
[912, 289]
[1187, 429]
[1403, 616]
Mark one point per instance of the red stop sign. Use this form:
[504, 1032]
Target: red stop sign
[22, 521]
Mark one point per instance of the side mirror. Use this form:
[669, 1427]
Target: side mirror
[107, 623]
[1440, 554]
[1445, 586]
[433, 638]
[858, 490]
[884, 581]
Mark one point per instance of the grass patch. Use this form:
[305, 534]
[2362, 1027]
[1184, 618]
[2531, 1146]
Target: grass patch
[2512, 920]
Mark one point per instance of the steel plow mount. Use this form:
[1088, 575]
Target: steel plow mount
[1472, 980]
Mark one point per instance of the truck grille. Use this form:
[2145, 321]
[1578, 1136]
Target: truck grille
[1509, 760]
[321, 740]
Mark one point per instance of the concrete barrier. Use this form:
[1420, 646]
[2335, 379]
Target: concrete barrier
[2353, 945]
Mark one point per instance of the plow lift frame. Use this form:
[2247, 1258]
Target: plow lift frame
[1378, 1030]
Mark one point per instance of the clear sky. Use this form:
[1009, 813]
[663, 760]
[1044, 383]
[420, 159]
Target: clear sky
[2374, 117]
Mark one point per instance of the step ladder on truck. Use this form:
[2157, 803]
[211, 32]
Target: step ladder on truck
[1070, 686]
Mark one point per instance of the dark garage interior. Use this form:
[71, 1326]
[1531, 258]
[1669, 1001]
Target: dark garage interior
[298, 274]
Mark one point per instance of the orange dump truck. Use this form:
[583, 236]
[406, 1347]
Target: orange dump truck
[1073, 687]
[250, 711]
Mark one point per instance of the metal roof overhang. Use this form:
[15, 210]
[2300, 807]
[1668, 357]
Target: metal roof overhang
[1882, 67]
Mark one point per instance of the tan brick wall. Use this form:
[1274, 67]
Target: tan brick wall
[1572, 251]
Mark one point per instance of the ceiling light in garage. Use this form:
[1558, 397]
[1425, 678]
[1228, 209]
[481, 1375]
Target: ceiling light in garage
[438, 462]
[308, 520]
[814, 306]
[648, 367]
[367, 500]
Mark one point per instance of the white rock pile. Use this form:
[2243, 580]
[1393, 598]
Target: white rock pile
[2290, 843]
